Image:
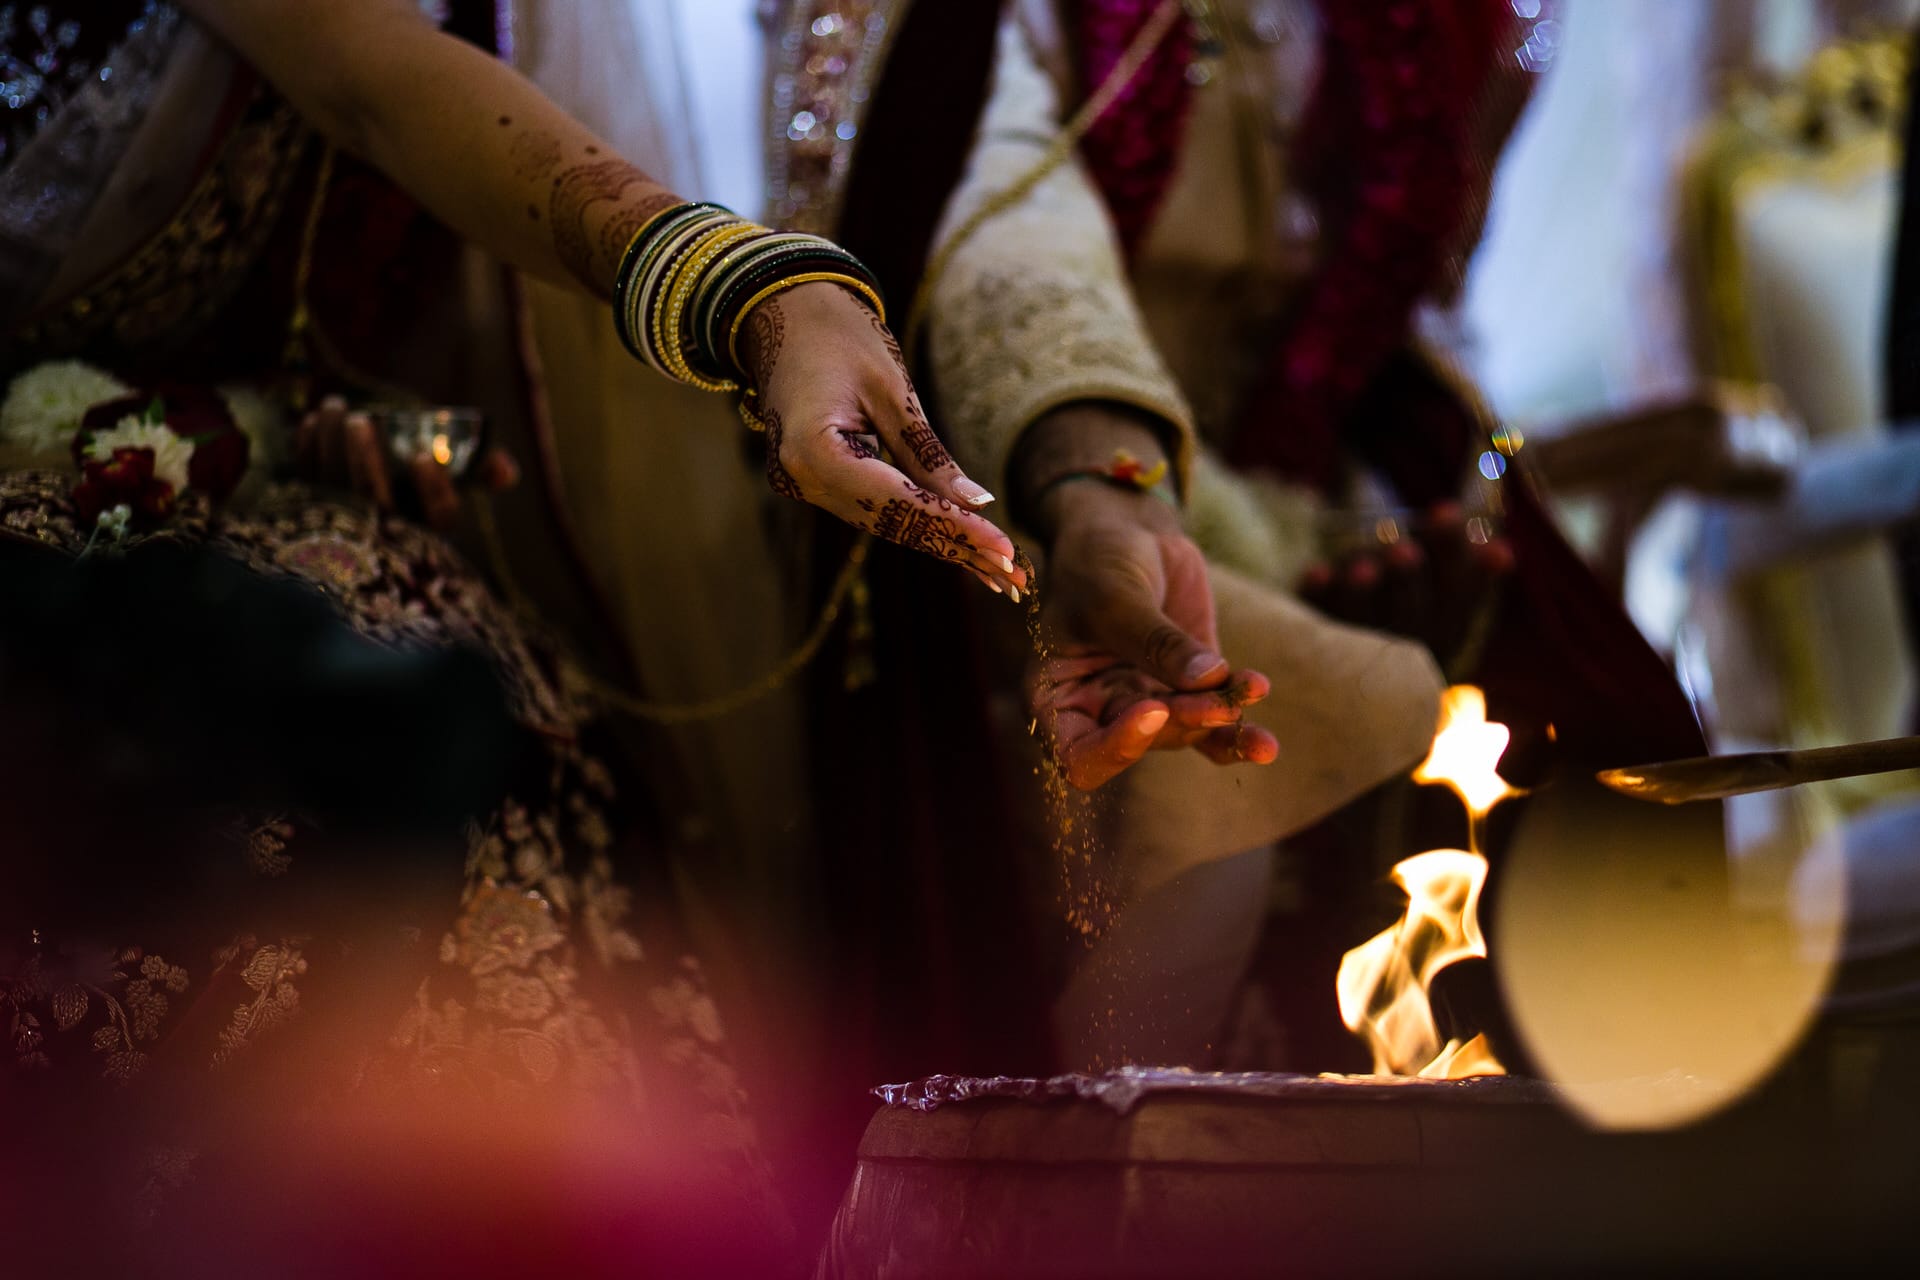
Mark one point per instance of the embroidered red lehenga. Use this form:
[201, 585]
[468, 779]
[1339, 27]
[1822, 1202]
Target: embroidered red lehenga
[186, 1017]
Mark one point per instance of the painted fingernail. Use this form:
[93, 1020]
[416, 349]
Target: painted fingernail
[1202, 663]
[1014, 592]
[972, 494]
[1006, 562]
[994, 585]
[1151, 723]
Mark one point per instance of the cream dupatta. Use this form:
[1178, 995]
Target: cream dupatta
[664, 484]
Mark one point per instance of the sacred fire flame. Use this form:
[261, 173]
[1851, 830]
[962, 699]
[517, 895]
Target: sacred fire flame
[1384, 984]
[1466, 749]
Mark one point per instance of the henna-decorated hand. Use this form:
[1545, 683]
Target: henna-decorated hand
[1135, 664]
[335, 445]
[834, 392]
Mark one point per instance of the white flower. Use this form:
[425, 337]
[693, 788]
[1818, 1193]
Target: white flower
[171, 454]
[44, 405]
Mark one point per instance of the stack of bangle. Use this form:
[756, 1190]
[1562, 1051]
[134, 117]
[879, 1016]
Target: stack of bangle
[691, 275]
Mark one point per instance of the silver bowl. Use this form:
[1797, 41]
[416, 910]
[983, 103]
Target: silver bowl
[451, 435]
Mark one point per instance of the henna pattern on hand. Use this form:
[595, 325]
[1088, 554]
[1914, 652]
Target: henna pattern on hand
[577, 190]
[920, 438]
[778, 476]
[766, 333]
[919, 525]
[890, 342]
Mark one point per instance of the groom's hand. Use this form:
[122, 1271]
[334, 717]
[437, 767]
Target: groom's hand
[1134, 662]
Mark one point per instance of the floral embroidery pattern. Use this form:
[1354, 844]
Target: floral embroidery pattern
[265, 843]
[268, 970]
[125, 995]
[519, 1018]
[120, 1001]
[696, 1043]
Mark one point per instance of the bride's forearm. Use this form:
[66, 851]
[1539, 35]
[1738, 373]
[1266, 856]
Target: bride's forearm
[467, 136]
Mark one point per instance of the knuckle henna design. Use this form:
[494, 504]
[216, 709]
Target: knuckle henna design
[927, 448]
[919, 524]
[920, 438]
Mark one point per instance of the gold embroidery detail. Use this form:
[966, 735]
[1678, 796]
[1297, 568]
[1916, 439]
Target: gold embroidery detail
[502, 928]
[269, 969]
[64, 996]
[266, 846]
[526, 1023]
[330, 561]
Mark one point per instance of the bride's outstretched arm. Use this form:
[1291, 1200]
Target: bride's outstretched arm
[469, 137]
[479, 146]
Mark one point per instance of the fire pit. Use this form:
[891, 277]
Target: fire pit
[1438, 1163]
[1175, 1173]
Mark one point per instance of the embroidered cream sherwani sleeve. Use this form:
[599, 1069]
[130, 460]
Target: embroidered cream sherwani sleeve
[1035, 311]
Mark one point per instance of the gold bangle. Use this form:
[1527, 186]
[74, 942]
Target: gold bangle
[640, 308]
[669, 283]
[859, 286]
[645, 227]
[685, 282]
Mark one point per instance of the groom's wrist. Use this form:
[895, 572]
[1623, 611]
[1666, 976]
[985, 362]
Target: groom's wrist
[1081, 501]
[1086, 444]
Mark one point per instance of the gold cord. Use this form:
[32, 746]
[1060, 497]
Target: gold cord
[297, 354]
[708, 708]
[794, 282]
[304, 337]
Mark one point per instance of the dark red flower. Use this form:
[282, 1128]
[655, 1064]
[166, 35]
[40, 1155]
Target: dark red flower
[220, 448]
[219, 461]
[124, 479]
